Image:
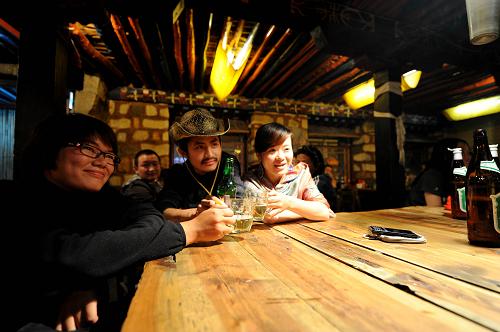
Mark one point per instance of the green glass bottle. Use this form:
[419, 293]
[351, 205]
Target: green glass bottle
[458, 199]
[227, 185]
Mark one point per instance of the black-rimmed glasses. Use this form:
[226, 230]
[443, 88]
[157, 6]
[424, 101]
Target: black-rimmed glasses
[94, 152]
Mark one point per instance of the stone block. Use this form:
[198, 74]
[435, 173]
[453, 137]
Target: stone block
[155, 136]
[368, 127]
[140, 135]
[151, 110]
[123, 108]
[164, 112]
[116, 181]
[368, 167]
[159, 148]
[120, 123]
[155, 124]
[369, 147]
[121, 137]
[360, 157]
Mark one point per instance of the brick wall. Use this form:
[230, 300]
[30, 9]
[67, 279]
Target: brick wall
[138, 126]
[363, 154]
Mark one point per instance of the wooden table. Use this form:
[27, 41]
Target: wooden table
[324, 276]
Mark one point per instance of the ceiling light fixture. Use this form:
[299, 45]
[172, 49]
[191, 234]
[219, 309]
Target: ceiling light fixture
[230, 59]
[483, 17]
[364, 93]
[473, 109]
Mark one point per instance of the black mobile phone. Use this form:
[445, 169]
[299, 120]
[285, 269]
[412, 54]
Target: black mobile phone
[378, 231]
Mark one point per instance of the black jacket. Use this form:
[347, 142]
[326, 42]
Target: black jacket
[67, 241]
[181, 191]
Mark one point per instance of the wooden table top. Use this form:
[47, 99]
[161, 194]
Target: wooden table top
[324, 276]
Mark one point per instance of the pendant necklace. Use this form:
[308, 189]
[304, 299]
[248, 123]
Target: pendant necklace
[201, 184]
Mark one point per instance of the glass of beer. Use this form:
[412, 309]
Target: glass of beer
[260, 207]
[242, 209]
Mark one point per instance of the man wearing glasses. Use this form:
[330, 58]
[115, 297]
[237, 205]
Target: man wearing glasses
[145, 185]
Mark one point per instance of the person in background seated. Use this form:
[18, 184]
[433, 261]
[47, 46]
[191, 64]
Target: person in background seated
[145, 185]
[76, 236]
[190, 186]
[434, 183]
[292, 193]
[314, 159]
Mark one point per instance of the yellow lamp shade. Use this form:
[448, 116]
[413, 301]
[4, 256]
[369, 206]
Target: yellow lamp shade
[364, 93]
[473, 109]
[229, 61]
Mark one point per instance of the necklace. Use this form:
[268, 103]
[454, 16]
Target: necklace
[201, 184]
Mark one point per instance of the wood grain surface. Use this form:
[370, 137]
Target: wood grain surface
[324, 276]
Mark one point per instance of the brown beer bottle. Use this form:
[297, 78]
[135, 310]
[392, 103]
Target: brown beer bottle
[483, 194]
[458, 201]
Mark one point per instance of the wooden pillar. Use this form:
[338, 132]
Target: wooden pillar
[387, 107]
[42, 80]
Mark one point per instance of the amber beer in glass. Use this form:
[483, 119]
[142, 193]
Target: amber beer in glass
[483, 192]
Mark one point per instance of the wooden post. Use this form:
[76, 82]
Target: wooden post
[387, 107]
[42, 80]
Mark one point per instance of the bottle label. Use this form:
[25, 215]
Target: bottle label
[462, 199]
[460, 171]
[495, 200]
[489, 165]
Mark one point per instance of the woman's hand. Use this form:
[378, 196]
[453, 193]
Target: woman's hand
[277, 203]
[77, 310]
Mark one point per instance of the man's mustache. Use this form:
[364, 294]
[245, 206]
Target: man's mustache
[208, 159]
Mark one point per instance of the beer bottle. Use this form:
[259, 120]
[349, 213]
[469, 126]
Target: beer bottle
[227, 185]
[483, 194]
[458, 201]
[494, 153]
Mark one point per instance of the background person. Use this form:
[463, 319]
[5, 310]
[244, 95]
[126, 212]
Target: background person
[189, 186]
[292, 193]
[79, 234]
[314, 159]
[146, 184]
[434, 183]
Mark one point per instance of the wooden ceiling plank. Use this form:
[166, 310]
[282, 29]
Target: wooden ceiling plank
[203, 72]
[330, 64]
[191, 49]
[285, 70]
[265, 60]
[163, 58]
[321, 90]
[284, 57]
[139, 36]
[78, 36]
[122, 38]
[178, 53]
[257, 54]
[304, 59]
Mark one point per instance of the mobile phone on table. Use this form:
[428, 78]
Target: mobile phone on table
[395, 235]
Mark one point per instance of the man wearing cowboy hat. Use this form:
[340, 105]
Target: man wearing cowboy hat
[188, 187]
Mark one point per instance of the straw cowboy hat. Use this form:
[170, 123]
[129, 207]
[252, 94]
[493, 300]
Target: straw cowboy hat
[198, 122]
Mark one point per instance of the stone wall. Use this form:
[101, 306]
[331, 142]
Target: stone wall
[297, 123]
[363, 154]
[138, 126]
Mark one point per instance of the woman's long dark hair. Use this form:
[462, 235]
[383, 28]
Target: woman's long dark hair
[269, 135]
[316, 157]
[54, 133]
